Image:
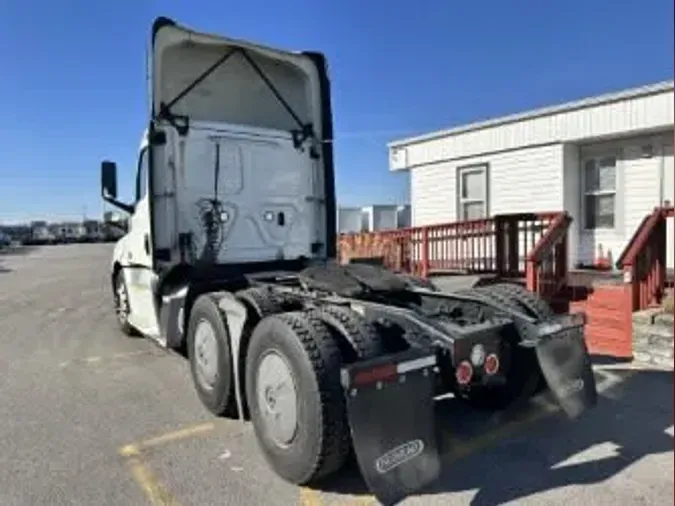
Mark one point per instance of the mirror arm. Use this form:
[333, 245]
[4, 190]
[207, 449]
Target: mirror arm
[121, 205]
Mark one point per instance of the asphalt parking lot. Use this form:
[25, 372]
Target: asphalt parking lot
[90, 417]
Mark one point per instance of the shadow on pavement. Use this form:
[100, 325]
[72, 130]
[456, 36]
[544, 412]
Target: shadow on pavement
[609, 360]
[631, 417]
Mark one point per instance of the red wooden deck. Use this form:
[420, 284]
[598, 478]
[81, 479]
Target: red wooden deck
[533, 247]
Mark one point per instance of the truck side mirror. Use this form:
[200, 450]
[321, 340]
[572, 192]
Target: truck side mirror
[109, 179]
[109, 186]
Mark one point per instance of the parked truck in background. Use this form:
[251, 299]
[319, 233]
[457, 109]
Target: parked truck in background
[5, 240]
[230, 255]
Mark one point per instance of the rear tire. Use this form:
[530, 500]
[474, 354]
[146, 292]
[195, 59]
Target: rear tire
[362, 338]
[262, 302]
[537, 306]
[295, 397]
[208, 349]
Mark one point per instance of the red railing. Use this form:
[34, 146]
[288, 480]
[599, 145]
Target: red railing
[643, 261]
[546, 271]
[495, 245]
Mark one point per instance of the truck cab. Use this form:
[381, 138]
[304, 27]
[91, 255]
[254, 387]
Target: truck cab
[234, 172]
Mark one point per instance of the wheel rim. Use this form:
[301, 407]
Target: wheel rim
[121, 302]
[277, 398]
[206, 354]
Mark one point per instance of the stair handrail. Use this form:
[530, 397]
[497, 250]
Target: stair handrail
[555, 230]
[639, 239]
[643, 260]
[552, 242]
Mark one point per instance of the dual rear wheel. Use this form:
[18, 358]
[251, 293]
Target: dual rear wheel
[292, 383]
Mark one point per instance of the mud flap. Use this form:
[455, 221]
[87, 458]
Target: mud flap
[390, 406]
[566, 366]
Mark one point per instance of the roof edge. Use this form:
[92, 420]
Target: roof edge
[626, 94]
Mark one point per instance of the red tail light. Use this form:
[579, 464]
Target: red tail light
[382, 373]
[464, 373]
[491, 365]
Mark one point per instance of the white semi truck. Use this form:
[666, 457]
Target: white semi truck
[230, 255]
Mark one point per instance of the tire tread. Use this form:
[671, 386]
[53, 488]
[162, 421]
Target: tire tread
[363, 337]
[325, 358]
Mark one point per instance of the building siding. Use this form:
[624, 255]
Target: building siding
[669, 195]
[644, 113]
[526, 180]
[642, 187]
[572, 198]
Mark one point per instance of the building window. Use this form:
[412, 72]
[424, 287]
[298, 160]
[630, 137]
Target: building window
[600, 192]
[472, 192]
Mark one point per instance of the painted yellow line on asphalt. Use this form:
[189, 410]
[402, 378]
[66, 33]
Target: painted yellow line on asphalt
[152, 487]
[129, 450]
[364, 500]
[177, 435]
[156, 493]
[309, 497]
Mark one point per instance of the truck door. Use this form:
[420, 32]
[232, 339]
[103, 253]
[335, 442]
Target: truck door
[140, 273]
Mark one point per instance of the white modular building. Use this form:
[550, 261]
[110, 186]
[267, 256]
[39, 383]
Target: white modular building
[351, 220]
[386, 217]
[373, 218]
[607, 160]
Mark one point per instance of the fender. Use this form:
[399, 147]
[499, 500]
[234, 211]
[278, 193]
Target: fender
[234, 313]
[172, 319]
[119, 259]
[119, 255]
[176, 308]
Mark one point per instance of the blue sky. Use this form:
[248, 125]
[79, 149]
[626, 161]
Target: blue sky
[73, 92]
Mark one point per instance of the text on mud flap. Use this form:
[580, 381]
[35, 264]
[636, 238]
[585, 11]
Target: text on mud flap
[571, 387]
[399, 455]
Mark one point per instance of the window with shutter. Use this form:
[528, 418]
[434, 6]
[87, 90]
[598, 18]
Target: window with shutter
[472, 192]
[599, 176]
